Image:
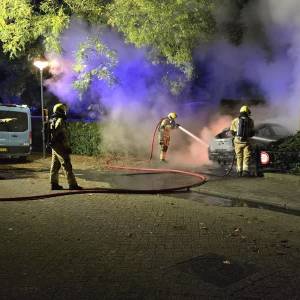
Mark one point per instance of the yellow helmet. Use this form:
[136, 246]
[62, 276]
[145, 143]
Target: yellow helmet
[245, 109]
[60, 108]
[172, 115]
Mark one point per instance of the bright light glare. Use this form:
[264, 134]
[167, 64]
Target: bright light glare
[41, 64]
[264, 158]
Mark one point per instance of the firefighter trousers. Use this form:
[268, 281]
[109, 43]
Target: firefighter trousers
[64, 160]
[243, 156]
[164, 145]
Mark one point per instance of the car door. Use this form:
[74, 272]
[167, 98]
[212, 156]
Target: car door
[222, 142]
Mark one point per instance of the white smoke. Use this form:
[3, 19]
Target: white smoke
[268, 58]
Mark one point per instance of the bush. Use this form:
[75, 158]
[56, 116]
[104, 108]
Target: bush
[85, 138]
[291, 143]
[289, 150]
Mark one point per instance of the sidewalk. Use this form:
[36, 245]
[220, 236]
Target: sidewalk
[278, 190]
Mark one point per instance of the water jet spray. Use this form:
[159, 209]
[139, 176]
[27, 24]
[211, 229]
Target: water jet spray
[193, 136]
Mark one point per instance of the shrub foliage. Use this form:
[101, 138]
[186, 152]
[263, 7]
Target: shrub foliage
[85, 138]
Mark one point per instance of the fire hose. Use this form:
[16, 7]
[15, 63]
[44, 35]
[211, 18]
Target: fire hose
[201, 179]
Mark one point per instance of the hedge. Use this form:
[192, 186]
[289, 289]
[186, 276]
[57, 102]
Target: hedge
[85, 138]
[289, 148]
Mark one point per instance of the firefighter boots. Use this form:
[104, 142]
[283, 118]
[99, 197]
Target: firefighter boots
[56, 186]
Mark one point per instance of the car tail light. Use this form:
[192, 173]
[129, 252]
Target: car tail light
[264, 157]
[30, 137]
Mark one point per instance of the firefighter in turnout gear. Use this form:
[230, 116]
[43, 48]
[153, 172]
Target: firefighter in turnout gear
[242, 128]
[59, 143]
[165, 127]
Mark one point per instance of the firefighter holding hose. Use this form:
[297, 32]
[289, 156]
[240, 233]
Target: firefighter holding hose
[242, 128]
[59, 142]
[165, 127]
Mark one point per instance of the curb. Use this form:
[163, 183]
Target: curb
[253, 203]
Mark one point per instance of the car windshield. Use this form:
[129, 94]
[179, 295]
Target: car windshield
[226, 133]
[13, 121]
[264, 131]
[280, 131]
[271, 131]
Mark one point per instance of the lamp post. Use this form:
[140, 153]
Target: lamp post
[41, 65]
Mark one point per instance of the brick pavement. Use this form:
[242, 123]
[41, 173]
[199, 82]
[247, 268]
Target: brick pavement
[99, 246]
[143, 247]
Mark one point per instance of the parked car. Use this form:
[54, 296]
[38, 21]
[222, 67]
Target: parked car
[221, 148]
[15, 131]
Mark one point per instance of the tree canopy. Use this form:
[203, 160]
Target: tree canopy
[172, 27]
[22, 23]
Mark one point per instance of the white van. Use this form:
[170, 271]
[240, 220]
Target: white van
[15, 131]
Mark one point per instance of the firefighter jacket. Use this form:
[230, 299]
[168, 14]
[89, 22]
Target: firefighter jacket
[59, 135]
[242, 129]
[165, 127]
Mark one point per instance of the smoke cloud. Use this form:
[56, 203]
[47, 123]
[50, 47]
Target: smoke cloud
[132, 107]
[266, 64]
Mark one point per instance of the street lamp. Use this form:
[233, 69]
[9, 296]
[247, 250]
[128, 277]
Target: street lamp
[41, 65]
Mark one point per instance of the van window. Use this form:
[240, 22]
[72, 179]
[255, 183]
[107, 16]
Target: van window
[18, 125]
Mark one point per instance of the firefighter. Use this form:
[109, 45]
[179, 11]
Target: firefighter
[61, 150]
[242, 128]
[165, 127]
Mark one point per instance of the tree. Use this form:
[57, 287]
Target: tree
[172, 27]
[92, 11]
[22, 23]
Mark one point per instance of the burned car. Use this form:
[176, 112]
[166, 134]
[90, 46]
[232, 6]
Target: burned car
[221, 148]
